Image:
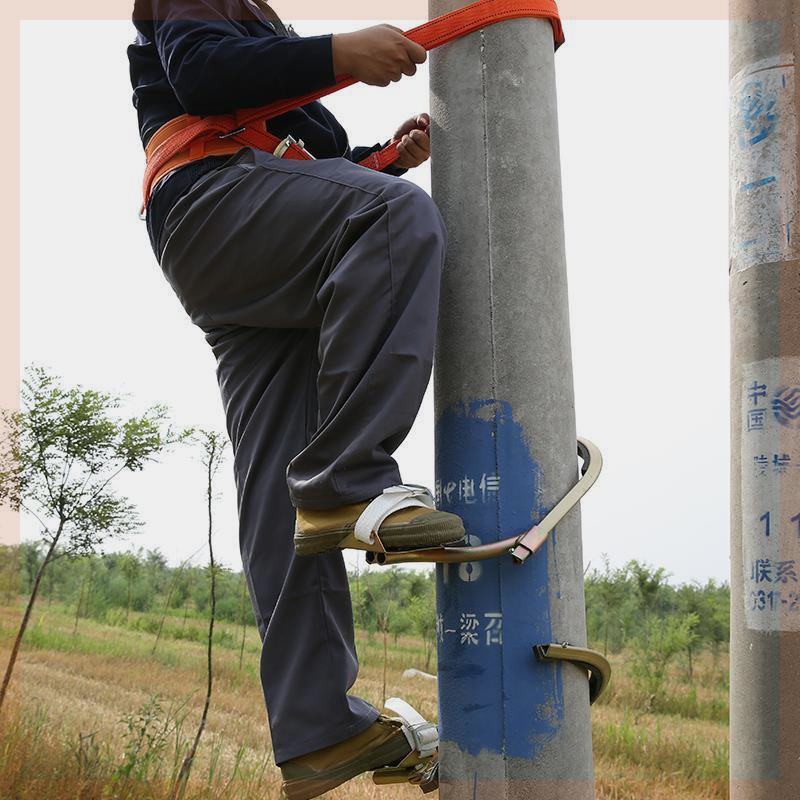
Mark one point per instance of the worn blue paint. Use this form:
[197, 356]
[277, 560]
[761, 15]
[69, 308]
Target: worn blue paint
[758, 116]
[494, 697]
[747, 187]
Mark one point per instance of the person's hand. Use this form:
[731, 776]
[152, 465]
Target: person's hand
[376, 56]
[413, 142]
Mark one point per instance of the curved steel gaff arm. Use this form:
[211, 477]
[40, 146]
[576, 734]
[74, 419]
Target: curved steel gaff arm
[596, 664]
[519, 547]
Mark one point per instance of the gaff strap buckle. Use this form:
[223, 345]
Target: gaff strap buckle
[395, 498]
[421, 766]
[423, 736]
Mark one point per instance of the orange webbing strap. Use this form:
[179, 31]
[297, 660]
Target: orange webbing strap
[247, 126]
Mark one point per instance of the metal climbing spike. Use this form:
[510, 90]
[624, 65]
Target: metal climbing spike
[596, 664]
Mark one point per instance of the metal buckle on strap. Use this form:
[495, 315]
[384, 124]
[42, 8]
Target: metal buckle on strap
[423, 736]
[286, 143]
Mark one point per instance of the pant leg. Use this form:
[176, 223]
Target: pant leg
[334, 246]
[317, 285]
[302, 605]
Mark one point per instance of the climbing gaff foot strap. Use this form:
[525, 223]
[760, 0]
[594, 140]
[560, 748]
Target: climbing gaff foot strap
[189, 138]
[596, 664]
[418, 767]
[519, 547]
[366, 533]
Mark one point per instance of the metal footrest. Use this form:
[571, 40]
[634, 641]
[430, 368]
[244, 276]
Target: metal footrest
[519, 547]
[426, 776]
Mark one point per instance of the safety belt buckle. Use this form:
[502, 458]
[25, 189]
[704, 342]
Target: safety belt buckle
[286, 143]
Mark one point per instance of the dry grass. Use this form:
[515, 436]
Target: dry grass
[63, 737]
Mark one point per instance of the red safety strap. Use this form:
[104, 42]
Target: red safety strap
[247, 126]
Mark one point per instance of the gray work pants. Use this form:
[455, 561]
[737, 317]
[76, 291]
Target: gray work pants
[316, 284]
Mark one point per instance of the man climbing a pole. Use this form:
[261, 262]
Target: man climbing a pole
[315, 282]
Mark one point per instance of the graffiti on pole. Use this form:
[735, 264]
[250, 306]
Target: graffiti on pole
[764, 136]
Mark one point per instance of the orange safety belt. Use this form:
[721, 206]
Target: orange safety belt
[189, 138]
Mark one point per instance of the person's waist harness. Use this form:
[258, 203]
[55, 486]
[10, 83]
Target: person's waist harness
[190, 138]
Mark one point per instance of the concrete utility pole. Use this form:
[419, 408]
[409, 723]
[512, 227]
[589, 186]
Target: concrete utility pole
[511, 727]
[765, 400]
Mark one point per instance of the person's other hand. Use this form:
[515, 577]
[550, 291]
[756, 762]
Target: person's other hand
[413, 142]
[377, 55]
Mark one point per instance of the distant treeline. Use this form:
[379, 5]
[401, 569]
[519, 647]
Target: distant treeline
[621, 602]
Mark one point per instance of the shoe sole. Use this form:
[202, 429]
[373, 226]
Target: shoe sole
[392, 752]
[410, 536]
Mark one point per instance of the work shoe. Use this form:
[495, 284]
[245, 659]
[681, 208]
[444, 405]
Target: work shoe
[381, 745]
[401, 518]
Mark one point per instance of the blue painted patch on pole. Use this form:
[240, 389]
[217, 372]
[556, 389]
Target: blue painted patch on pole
[493, 695]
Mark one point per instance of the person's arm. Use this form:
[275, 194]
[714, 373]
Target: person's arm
[360, 153]
[412, 141]
[215, 67]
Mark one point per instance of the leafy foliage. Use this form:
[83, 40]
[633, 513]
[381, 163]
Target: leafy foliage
[654, 649]
[59, 456]
[620, 602]
[61, 452]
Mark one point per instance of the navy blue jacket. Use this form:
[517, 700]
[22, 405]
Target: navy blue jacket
[208, 57]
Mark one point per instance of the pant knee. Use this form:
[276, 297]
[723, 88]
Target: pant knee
[418, 221]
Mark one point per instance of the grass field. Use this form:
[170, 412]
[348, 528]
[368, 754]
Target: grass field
[97, 714]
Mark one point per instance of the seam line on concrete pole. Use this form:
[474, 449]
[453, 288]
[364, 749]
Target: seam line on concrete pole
[490, 261]
[492, 339]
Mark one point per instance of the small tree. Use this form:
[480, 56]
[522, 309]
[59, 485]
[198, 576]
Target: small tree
[660, 641]
[59, 456]
[176, 576]
[610, 588]
[9, 572]
[131, 567]
[649, 583]
[213, 454]
[422, 614]
[245, 616]
[384, 611]
[87, 574]
[31, 561]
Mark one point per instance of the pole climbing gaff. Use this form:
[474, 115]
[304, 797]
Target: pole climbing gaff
[519, 547]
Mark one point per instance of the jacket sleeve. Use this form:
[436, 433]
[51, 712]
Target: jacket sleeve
[214, 66]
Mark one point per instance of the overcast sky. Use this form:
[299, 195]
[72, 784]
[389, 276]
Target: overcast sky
[643, 118]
